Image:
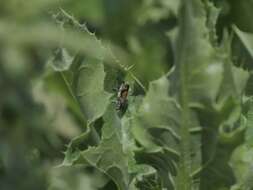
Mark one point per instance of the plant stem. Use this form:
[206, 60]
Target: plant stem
[184, 181]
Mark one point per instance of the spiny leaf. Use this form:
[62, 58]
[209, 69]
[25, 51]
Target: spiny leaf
[197, 80]
[157, 129]
[164, 125]
[109, 156]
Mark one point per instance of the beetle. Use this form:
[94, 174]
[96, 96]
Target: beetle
[122, 94]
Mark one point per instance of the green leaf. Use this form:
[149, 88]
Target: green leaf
[157, 129]
[85, 83]
[154, 110]
[75, 178]
[166, 126]
[197, 80]
[110, 156]
[241, 162]
[234, 78]
[224, 124]
[90, 90]
[198, 63]
[246, 38]
[242, 157]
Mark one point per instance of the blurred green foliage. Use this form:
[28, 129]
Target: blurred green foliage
[189, 120]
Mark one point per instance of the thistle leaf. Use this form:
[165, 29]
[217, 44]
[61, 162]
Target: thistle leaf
[90, 90]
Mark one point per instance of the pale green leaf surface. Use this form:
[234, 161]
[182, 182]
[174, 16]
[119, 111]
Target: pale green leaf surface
[196, 59]
[227, 118]
[202, 72]
[153, 113]
[90, 90]
[234, 78]
[157, 129]
[197, 80]
[110, 156]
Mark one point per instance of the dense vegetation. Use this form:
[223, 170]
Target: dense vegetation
[189, 120]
